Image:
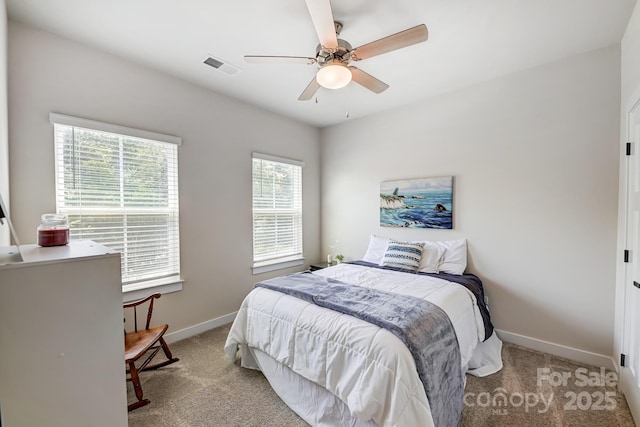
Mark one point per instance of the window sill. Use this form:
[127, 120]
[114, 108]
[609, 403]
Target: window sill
[266, 266]
[144, 289]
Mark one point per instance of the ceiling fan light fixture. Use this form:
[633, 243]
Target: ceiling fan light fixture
[333, 75]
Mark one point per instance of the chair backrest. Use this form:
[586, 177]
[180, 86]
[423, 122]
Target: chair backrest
[135, 304]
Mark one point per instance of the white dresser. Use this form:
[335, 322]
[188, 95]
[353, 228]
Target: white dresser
[61, 338]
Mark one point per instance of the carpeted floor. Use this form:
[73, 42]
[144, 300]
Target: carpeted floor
[206, 389]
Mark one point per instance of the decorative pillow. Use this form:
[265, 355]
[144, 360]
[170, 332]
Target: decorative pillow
[404, 255]
[376, 250]
[454, 259]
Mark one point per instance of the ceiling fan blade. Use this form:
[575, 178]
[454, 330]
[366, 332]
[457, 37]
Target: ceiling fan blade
[310, 90]
[258, 59]
[395, 41]
[322, 17]
[367, 80]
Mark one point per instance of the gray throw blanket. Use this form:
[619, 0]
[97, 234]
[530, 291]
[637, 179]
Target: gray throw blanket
[422, 326]
[469, 281]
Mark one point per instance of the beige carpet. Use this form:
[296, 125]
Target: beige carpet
[205, 389]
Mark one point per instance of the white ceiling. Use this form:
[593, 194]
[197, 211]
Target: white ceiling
[469, 41]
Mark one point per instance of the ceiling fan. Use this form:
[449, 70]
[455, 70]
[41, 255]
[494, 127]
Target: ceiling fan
[333, 55]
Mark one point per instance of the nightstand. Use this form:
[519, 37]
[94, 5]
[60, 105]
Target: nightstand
[320, 265]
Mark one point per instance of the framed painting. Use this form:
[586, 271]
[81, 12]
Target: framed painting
[417, 203]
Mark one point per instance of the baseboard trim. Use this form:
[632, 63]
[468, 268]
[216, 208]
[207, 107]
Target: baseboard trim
[200, 328]
[559, 350]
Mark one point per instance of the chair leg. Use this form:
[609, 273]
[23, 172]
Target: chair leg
[137, 388]
[167, 352]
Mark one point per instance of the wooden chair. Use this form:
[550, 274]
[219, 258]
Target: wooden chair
[139, 343]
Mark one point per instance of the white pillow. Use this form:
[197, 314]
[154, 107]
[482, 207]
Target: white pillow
[376, 250]
[404, 255]
[454, 259]
[431, 258]
[447, 256]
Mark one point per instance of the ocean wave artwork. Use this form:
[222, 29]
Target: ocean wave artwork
[417, 203]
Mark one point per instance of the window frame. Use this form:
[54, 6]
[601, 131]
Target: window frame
[263, 266]
[132, 291]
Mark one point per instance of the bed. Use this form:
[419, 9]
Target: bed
[335, 367]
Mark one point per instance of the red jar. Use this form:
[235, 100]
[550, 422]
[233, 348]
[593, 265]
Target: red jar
[53, 230]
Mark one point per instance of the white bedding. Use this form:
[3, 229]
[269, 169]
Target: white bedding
[364, 366]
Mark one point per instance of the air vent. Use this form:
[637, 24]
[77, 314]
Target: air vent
[221, 65]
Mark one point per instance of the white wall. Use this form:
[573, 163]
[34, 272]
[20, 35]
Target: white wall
[630, 58]
[48, 73]
[4, 142]
[535, 160]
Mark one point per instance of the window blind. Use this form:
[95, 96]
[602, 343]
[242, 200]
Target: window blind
[121, 191]
[277, 209]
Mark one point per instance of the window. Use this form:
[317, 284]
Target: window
[119, 187]
[277, 213]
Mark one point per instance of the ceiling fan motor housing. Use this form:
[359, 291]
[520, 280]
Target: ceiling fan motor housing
[342, 53]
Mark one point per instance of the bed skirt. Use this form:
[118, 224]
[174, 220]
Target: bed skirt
[319, 407]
